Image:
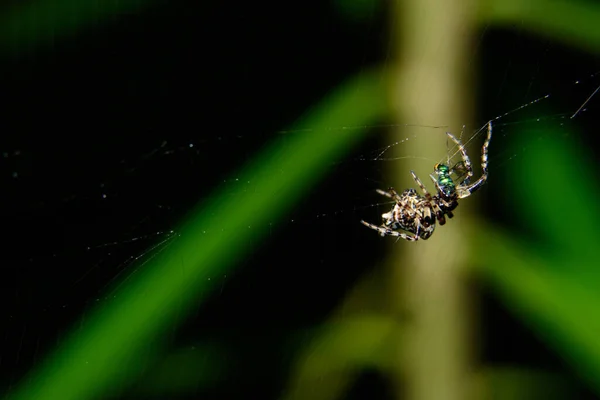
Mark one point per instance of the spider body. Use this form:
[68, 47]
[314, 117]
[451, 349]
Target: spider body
[414, 216]
[407, 215]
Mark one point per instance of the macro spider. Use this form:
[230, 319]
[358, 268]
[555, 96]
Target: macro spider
[417, 214]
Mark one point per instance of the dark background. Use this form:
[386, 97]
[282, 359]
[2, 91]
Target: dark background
[96, 168]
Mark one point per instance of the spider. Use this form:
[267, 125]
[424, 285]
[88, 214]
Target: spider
[417, 214]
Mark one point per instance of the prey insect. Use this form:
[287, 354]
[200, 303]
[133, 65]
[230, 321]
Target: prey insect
[414, 216]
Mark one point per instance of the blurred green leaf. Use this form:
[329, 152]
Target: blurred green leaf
[559, 307]
[121, 336]
[30, 23]
[358, 10]
[556, 194]
[572, 22]
[516, 383]
[185, 371]
[338, 351]
[358, 341]
[553, 287]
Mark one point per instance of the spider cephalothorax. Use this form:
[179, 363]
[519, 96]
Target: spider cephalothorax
[417, 214]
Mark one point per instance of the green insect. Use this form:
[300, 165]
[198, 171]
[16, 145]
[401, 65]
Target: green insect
[414, 216]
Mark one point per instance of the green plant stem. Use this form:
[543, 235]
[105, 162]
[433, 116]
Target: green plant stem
[434, 56]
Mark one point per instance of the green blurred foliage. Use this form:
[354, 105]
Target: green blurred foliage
[357, 10]
[574, 23]
[124, 335]
[30, 23]
[521, 384]
[185, 371]
[551, 282]
[337, 352]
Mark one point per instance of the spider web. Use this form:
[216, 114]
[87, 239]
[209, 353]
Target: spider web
[85, 215]
[575, 113]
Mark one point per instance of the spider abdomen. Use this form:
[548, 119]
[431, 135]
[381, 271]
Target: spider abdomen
[411, 214]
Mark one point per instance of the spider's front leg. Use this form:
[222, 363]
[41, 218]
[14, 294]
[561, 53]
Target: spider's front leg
[463, 166]
[391, 193]
[470, 189]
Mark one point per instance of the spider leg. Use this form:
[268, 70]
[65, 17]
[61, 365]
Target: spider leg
[431, 203]
[384, 193]
[467, 190]
[466, 162]
[439, 214]
[391, 193]
[383, 231]
[460, 170]
[427, 218]
[423, 188]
